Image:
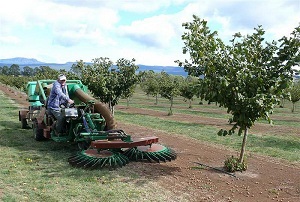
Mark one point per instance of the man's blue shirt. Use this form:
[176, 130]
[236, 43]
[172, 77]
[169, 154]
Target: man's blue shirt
[57, 97]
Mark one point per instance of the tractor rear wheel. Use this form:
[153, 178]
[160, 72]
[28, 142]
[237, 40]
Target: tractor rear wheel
[37, 132]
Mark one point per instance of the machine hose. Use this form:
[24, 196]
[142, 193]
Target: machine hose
[99, 107]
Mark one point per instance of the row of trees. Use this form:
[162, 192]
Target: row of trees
[15, 70]
[169, 86]
[110, 82]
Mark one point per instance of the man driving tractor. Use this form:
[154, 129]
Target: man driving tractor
[58, 96]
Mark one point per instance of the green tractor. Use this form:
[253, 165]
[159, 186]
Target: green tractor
[90, 124]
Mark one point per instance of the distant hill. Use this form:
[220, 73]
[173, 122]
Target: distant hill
[20, 61]
[31, 62]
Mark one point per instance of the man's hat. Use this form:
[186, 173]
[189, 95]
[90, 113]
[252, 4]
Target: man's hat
[62, 77]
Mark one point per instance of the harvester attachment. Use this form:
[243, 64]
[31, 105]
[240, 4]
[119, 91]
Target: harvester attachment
[115, 152]
[152, 153]
[93, 158]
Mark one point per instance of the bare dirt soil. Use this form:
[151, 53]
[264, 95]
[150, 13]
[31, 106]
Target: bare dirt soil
[266, 179]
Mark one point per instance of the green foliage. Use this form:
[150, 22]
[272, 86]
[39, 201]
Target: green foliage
[5, 70]
[45, 72]
[28, 71]
[77, 68]
[189, 88]
[232, 164]
[149, 82]
[247, 77]
[15, 81]
[170, 87]
[14, 70]
[107, 81]
[127, 76]
[294, 91]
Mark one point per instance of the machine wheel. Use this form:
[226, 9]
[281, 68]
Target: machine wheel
[37, 132]
[83, 145]
[24, 124]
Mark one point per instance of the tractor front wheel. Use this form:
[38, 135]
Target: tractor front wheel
[24, 124]
[37, 132]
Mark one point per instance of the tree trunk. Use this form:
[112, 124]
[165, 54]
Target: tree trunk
[113, 110]
[109, 105]
[282, 102]
[243, 145]
[293, 108]
[171, 106]
[127, 99]
[156, 99]
[190, 103]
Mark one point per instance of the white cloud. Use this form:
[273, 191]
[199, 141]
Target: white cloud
[152, 32]
[9, 40]
[69, 30]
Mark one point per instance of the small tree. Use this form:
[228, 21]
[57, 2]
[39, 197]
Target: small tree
[150, 84]
[188, 89]
[76, 69]
[247, 77]
[14, 70]
[45, 72]
[5, 70]
[127, 77]
[295, 94]
[170, 88]
[28, 71]
[107, 81]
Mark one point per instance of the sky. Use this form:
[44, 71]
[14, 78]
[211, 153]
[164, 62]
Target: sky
[60, 31]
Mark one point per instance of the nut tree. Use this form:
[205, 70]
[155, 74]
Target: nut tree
[247, 77]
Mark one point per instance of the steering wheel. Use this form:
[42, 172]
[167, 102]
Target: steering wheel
[67, 105]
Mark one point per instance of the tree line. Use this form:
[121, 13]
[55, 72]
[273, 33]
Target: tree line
[109, 81]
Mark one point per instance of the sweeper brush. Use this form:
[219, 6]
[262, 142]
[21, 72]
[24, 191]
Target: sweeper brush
[91, 125]
[118, 148]
[152, 153]
[93, 158]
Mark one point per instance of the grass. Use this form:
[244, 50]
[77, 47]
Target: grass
[39, 171]
[140, 100]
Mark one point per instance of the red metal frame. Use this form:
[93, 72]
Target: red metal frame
[114, 144]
